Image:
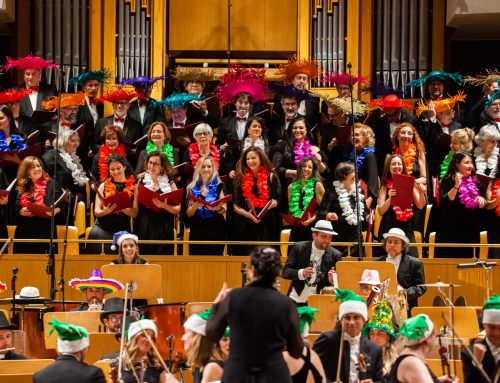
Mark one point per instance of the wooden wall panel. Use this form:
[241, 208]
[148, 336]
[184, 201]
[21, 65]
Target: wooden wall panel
[256, 25]
[199, 279]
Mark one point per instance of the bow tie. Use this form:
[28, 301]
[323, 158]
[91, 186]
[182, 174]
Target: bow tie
[179, 124]
[93, 101]
[119, 119]
[66, 124]
[143, 102]
[238, 118]
[34, 88]
[288, 119]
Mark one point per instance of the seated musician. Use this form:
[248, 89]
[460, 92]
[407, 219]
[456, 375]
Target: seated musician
[95, 287]
[409, 270]
[112, 314]
[129, 319]
[380, 330]
[418, 338]
[128, 250]
[6, 347]
[311, 264]
[353, 314]
[370, 279]
[72, 345]
[486, 351]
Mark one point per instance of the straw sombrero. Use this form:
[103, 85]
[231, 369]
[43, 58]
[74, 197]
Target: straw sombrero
[96, 280]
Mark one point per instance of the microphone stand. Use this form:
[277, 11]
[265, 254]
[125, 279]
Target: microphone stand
[61, 282]
[50, 269]
[13, 288]
[356, 174]
[228, 34]
[243, 271]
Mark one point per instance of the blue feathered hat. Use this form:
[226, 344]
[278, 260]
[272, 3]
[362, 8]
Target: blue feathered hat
[179, 100]
[439, 75]
[290, 91]
[141, 81]
[101, 75]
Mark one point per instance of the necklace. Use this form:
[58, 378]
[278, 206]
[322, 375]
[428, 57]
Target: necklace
[72, 162]
[468, 193]
[482, 165]
[401, 215]
[166, 149]
[409, 157]
[309, 190]
[349, 214]
[361, 156]
[103, 154]
[301, 150]
[262, 187]
[194, 154]
[38, 194]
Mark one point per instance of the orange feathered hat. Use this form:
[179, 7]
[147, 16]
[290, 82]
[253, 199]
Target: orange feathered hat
[121, 93]
[440, 105]
[67, 99]
[294, 66]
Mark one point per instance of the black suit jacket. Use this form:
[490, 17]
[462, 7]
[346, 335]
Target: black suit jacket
[299, 257]
[63, 174]
[85, 117]
[44, 92]
[152, 114]
[471, 373]
[13, 356]
[132, 130]
[327, 347]
[410, 274]
[26, 125]
[312, 114]
[213, 116]
[67, 368]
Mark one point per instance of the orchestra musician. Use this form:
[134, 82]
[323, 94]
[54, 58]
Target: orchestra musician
[6, 347]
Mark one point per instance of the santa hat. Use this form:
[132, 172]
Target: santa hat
[141, 325]
[64, 100]
[351, 303]
[3, 287]
[197, 323]
[491, 310]
[416, 330]
[101, 75]
[121, 236]
[29, 62]
[70, 338]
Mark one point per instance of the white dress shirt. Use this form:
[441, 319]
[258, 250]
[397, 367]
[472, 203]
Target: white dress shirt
[353, 357]
[396, 261]
[316, 257]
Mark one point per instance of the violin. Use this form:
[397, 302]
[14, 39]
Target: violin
[445, 364]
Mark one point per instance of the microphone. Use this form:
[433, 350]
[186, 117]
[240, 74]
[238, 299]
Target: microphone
[15, 270]
[349, 65]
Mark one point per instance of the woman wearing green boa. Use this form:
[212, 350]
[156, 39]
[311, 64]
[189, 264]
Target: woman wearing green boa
[158, 140]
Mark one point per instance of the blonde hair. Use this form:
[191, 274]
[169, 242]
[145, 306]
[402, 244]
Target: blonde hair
[197, 170]
[465, 137]
[367, 132]
[130, 353]
[200, 351]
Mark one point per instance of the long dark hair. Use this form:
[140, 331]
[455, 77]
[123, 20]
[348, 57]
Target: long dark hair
[386, 174]
[8, 113]
[453, 167]
[166, 168]
[115, 157]
[289, 135]
[241, 166]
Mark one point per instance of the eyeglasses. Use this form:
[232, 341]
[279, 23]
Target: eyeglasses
[202, 134]
[154, 164]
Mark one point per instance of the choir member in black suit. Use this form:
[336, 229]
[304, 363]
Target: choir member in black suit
[145, 109]
[436, 84]
[258, 336]
[489, 83]
[32, 67]
[353, 314]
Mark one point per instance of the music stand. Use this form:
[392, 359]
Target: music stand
[101, 343]
[349, 274]
[486, 266]
[147, 277]
[90, 320]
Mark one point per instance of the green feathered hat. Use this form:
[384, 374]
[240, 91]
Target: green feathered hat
[70, 338]
[101, 75]
[491, 310]
[351, 303]
[306, 316]
[416, 330]
[437, 75]
[381, 320]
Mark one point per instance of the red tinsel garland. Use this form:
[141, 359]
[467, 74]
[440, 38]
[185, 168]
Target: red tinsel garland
[495, 189]
[38, 194]
[194, 154]
[401, 215]
[262, 186]
[103, 154]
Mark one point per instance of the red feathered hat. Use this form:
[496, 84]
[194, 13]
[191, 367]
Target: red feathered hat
[29, 62]
[119, 94]
[342, 78]
[13, 95]
[240, 79]
[391, 101]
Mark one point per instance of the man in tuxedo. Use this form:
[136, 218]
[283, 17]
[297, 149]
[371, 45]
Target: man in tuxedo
[32, 67]
[392, 112]
[72, 345]
[491, 113]
[233, 126]
[145, 109]
[298, 73]
[486, 351]
[120, 97]
[6, 340]
[311, 264]
[353, 314]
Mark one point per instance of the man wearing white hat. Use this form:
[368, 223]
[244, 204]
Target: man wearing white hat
[311, 264]
[409, 270]
[487, 351]
[72, 345]
[353, 314]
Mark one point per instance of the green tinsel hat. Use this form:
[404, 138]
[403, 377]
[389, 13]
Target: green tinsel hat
[491, 310]
[381, 320]
[437, 75]
[416, 330]
[70, 337]
[351, 303]
[306, 316]
[197, 323]
[101, 75]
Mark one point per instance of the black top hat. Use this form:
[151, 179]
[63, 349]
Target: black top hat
[112, 306]
[4, 323]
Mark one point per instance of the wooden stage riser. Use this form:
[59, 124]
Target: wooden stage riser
[199, 279]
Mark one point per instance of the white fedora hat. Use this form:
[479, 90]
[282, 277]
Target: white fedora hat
[398, 233]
